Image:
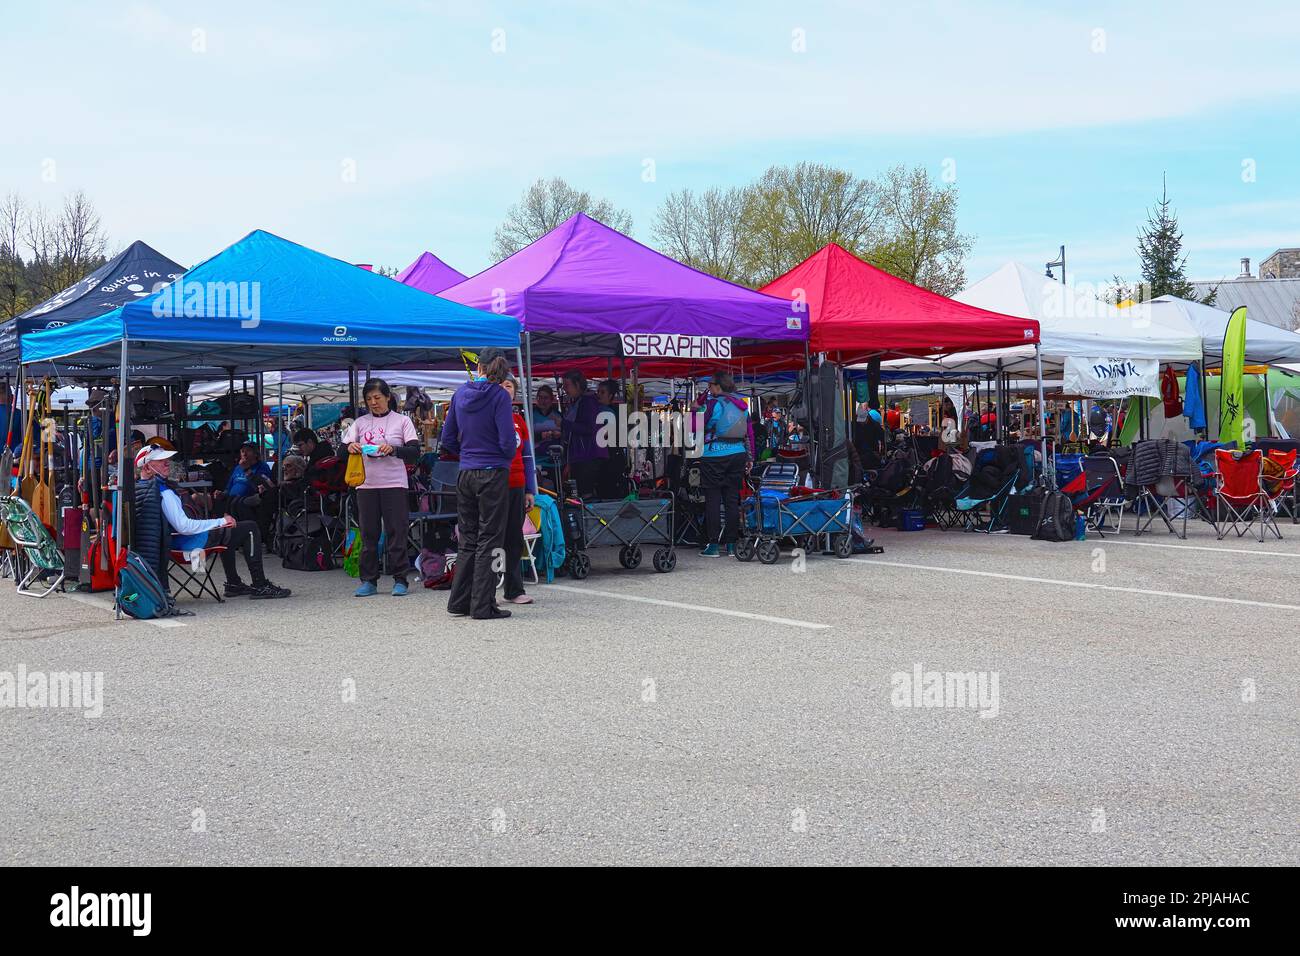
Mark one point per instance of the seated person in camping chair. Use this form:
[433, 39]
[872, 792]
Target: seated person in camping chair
[308, 444]
[189, 534]
[250, 493]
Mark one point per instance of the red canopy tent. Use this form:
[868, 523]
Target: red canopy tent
[858, 312]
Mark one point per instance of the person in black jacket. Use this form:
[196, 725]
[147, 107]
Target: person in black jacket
[311, 447]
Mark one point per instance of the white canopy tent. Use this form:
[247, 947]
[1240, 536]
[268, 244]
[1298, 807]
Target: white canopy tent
[331, 386]
[1265, 344]
[1073, 324]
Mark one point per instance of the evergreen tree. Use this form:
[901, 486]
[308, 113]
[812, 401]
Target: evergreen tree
[1160, 250]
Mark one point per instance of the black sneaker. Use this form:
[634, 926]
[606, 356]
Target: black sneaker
[234, 589]
[497, 614]
[267, 591]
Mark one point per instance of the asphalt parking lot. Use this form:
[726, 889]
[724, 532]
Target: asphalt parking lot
[1145, 711]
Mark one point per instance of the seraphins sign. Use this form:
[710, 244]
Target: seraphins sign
[1111, 377]
[661, 345]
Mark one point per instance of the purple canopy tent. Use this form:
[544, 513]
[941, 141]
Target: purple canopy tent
[585, 290]
[429, 274]
[583, 287]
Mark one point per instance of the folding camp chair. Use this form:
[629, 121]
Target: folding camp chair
[1239, 491]
[973, 511]
[195, 583]
[892, 489]
[435, 499]
[1103, 494]
[939, 488]
[33, 547]
[1170, 491]
[1279, 480]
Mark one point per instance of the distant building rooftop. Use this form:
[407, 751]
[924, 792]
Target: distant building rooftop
[1275, 301]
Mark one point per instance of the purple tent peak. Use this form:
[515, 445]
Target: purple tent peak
[428, 273]
[583, 277]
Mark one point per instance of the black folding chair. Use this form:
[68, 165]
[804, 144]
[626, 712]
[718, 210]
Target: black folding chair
[1103, 494]
[196, 584]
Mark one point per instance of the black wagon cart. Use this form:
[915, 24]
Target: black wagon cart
[627, 524]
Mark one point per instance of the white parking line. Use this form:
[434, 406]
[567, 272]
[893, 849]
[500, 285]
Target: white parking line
[1200, 547]
[726, 612]
[105, 603]
[1079, 584]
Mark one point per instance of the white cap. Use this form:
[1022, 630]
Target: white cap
[152, 453]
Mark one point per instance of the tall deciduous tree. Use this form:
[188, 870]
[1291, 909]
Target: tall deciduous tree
[923, 245]
[905, 223]
[703, 230]
[546, 204]
[14, 294]
[63, 246]
[792, 211]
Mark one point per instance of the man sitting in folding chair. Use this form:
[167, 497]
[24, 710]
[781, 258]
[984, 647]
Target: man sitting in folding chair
[184, 535]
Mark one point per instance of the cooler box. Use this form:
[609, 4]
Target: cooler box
[911, 519]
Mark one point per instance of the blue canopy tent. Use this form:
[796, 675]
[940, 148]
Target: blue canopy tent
[266, 304]
[269, 304]
[134, 273]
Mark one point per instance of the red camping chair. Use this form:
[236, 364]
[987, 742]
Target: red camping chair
[1239, 491]
[1279, 475]
[184, 577]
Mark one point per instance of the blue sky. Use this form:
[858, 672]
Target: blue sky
[192, 123]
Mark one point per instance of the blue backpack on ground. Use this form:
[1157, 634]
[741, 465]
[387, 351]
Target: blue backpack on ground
[139, 592]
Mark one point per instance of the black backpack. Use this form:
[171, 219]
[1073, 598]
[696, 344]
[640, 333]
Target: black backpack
[307, 554]
[1057, 522]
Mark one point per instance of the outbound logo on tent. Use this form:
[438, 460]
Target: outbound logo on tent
[192, 299]
[340, 336]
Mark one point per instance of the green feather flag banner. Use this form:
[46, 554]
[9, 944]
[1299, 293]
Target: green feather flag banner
[1232, 405]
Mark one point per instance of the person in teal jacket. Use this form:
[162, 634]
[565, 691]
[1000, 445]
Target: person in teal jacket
[728, 451]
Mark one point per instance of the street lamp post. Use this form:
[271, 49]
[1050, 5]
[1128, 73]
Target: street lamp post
[1060, 262]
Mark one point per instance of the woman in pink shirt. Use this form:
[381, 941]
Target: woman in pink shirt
[388, 440]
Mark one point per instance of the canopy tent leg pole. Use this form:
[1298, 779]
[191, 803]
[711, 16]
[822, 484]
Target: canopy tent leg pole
[1205, 403]
[808, 405]
[279, 511]
[998, 424]
[1048, 470]
[125, 465]
[528, 414]
[260, 400]
[527, 371]
[352, 389]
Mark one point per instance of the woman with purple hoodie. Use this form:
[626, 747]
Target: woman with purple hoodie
[728, 450]
[480, 428]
